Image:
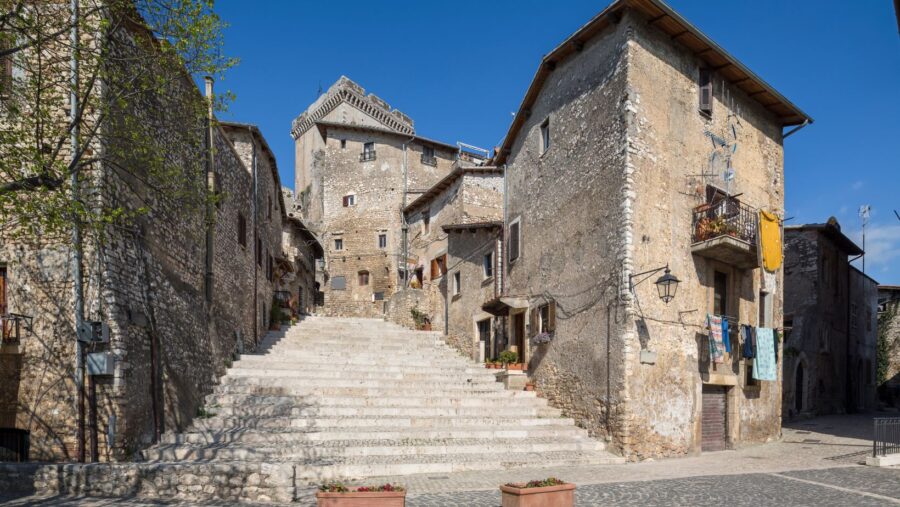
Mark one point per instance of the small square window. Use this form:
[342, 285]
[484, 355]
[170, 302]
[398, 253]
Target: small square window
[545, 136]
[382, 241]
[343, 143]
[488, 265]
[338, 244]
[338, 283]
[378, 296]
[349, 200]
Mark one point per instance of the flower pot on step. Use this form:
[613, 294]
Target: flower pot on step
[362, 499]
[549, 496]
[515, 366]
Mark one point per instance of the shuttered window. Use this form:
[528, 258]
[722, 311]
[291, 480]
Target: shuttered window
[349, 200]
[706, 91]
[439, 266]
[514, 240]
[363, 278]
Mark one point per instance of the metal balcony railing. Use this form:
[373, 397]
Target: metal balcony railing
[887, 436]
[11, 327]
[725, 217]
[367, 156]
[426, 160]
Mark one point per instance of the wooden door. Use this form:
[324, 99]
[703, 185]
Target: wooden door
[713, 422]
[519, 325]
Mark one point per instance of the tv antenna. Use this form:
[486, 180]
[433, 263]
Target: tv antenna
[864, 212]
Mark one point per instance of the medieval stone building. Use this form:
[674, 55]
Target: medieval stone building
[454, 246]
[642, 145]
[174, 293]
[830, 320]
[358, 163]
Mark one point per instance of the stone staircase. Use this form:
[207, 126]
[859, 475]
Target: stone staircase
[341, 398]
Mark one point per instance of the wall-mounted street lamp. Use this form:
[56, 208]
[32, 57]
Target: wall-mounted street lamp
[666, 285]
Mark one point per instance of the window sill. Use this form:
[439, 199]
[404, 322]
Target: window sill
[704, 114]
[487, 281]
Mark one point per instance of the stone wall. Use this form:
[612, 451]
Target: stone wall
[568, 204]
[399, 308]
[889, 335]
[466, 249]
[668, 145]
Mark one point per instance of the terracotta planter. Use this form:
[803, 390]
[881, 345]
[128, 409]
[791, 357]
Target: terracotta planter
[362, 499]
[529, 387]
[550, 496]
[515, 366]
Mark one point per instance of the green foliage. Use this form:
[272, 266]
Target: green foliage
[275, 312]
[542, 483]
[141, 120]
[885, 323]
[509, 356]
[202, 413]
[419, 317]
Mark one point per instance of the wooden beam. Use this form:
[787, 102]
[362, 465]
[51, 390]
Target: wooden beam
[756, 93]
[652, 21]
[679, 34]
[720, 67]
[703, 51]
[614, 17]
[550, 64]
[578, 45]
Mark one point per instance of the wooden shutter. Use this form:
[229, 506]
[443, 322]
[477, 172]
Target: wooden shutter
[2, 290]
[346, 201]
[551, 319]
[706, 91]
[434, 268]
[514, 241]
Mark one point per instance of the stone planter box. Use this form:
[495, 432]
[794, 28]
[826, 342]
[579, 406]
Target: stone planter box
[362, 499]
[550, 496]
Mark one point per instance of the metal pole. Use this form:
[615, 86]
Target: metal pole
[211, 189]
[77, 282]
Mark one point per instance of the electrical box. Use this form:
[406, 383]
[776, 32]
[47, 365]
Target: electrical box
[93, 332]
[100, 364]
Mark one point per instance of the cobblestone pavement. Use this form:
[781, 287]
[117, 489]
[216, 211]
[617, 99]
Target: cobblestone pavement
[815, 463]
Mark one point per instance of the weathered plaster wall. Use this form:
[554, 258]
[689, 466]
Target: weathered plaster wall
[466, 250]
[667, 149]
[568, 201]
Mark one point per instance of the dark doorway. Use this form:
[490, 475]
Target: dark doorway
[519, 327]
[798, 389]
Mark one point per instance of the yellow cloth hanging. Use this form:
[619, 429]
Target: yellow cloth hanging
[770, 240]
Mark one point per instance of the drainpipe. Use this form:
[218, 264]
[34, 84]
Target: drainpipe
[503, 265]
[211, 189]
[254, 206]
[77, 282]
[404, 226]
[849, 387]
[795, 129]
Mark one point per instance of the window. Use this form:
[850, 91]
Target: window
[270, 208]
[382, 240]
[426, 221]
[765, 309]
[428, 156]
[270, 275]
[378, 296]
[488, 265]
[546, 318]
[343, 143]
[706, 92]
[514, 239]
[338, 283]
[439, 266]
[720, 294]
[338, 244]
[242, 230]
[545, 136]
[363, 278]
[349, 200]
[259, 252]
[457, 279]
[368, 153]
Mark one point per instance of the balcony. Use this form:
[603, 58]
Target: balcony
[725, 230]
[367, 156]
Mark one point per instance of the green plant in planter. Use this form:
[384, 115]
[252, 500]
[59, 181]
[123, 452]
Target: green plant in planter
[274, 313]
[419, 317]
[509, 356]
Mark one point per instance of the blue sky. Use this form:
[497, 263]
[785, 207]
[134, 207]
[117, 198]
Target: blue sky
[460, 68]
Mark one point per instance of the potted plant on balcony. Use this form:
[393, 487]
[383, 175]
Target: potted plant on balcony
[550, 492]
[338, 495]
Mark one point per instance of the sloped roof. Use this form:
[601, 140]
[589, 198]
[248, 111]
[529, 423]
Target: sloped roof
[446, 181]
[664, 18]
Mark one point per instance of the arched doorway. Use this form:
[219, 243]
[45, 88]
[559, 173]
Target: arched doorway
[798, 388]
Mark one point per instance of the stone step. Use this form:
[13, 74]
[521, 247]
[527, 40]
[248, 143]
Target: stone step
[370, 466]
[493, 402]
[353, 374]
[294, 410]
[299, 389]
[276, 363]
[388, 385]
[299, 454]
[378, 434]
[257, 421]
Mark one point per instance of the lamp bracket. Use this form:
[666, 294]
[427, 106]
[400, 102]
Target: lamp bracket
[645, 274]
